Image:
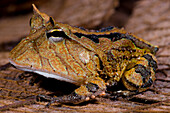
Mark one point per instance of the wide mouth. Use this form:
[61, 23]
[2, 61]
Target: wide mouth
[16, 65]
[41, 72]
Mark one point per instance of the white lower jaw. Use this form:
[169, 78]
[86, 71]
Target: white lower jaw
[48, 75]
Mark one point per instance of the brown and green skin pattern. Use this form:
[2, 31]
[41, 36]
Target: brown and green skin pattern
[90, 59]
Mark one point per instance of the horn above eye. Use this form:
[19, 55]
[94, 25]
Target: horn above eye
[56, 35]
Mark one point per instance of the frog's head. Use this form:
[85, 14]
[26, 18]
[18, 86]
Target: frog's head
[44, 49]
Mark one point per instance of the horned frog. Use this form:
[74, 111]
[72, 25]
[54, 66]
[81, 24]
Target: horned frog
[93, 60]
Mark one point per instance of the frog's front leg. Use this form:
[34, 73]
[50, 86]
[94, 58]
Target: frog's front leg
[93, 87]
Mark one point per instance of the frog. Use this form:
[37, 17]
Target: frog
[91, 59]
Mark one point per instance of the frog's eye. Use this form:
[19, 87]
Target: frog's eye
[56, 35]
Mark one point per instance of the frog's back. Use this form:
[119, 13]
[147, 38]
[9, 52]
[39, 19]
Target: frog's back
[105, 38]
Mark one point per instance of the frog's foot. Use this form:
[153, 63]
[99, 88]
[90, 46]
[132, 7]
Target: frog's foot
[92, 88]
[140, 74]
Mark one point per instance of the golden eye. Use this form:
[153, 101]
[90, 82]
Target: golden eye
[56, 35]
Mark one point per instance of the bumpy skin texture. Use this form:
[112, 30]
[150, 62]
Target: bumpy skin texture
[91, 59]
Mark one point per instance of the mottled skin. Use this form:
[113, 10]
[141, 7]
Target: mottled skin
[92, 60]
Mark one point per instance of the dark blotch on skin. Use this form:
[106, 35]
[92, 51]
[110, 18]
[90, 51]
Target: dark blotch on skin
[118, 36]
[148, 83]
[92, 37]
[145, 73]
[95, 38]
[137, 42]
[151, 61]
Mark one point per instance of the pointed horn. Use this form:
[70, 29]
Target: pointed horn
[35, 9]
[44, 16]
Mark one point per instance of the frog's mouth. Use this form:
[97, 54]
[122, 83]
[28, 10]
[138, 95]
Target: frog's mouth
[43, 73]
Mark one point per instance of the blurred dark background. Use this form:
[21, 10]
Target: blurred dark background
[91, 14]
